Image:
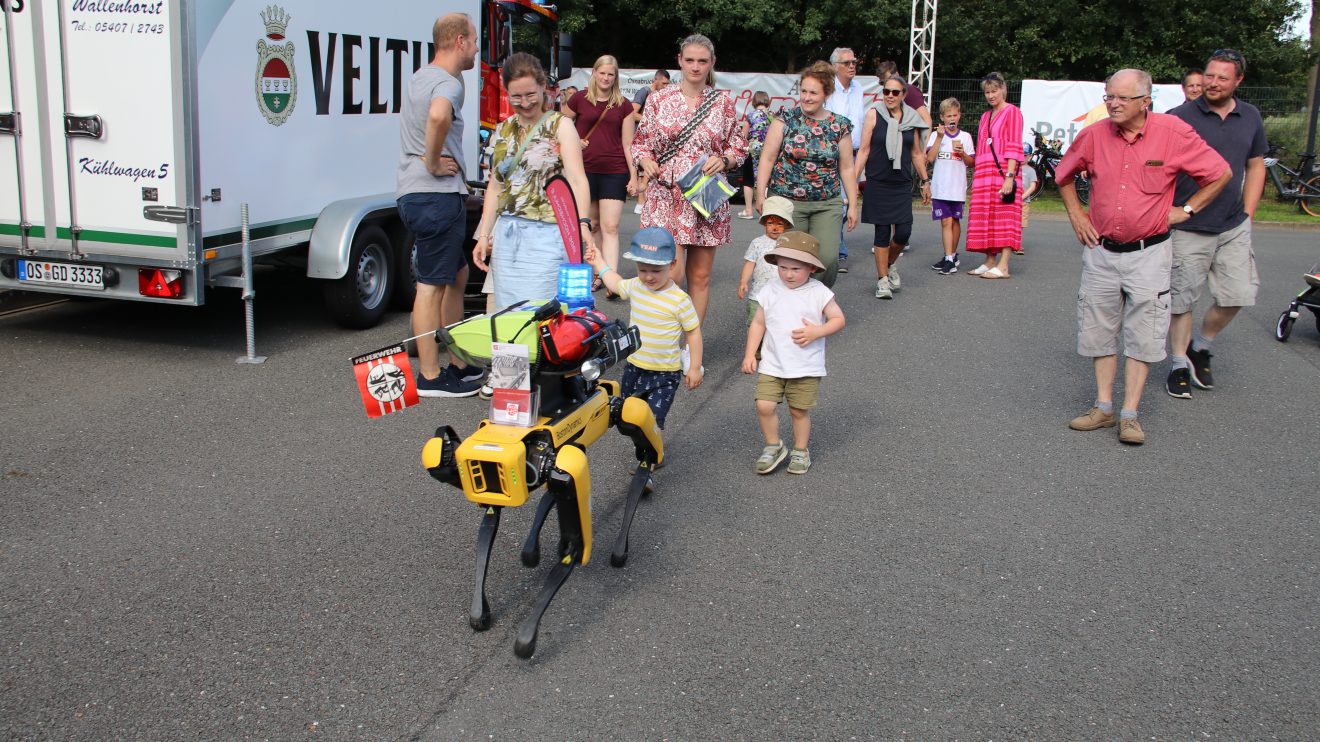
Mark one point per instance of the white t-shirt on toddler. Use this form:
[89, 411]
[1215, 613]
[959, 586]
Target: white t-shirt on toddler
[785, 309]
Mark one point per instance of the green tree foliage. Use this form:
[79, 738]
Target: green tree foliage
[1064, 39]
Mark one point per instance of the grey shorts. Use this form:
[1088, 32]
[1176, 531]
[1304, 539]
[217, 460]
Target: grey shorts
[1224, 261]
[1131, 289]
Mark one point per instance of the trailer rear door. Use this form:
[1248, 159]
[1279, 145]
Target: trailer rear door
[99, 170]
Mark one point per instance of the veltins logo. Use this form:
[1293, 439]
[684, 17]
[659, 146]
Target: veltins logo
[277, 83]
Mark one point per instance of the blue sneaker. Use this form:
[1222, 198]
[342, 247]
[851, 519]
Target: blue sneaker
[447, 384]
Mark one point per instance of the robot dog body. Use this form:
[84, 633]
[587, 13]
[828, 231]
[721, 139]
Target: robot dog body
[499, 466]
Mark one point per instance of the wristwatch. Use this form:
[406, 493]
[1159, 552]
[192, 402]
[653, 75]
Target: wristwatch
[1188, 210]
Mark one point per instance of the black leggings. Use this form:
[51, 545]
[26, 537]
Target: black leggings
[902, 233]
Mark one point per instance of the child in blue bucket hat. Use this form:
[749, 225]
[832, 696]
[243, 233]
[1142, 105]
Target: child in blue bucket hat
[665, 316]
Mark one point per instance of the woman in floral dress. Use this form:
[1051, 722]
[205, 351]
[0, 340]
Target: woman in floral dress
[805, 152]
[518, 230]
[664, 136]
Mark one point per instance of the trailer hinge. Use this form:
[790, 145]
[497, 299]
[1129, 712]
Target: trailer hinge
[170, 214]
[91, 126]
[9, 123]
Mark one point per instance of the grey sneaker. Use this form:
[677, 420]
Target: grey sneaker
[882, 290]
[799, 461]
[894, 282]
[771, 457]
[843, 264]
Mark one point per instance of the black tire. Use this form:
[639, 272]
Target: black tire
[360, 298]
[1283, 328]
[1083, 189]
[405, 273]
[1309, 201]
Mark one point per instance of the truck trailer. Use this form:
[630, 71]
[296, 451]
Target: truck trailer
[140, 129]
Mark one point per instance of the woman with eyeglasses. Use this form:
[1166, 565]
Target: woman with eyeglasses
[808, 159]
[994, 220]
[892, 139]
[518, 235]
[604, 122]
[681, 124]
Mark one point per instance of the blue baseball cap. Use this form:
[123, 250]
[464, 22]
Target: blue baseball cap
[653, 246]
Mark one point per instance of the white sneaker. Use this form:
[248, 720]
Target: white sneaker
[637, 209]
[882, 290]
[894, 282]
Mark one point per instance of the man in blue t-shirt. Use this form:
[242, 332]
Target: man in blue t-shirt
[1213, 247]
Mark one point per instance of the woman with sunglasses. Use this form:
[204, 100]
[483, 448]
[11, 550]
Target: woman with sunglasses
[680, 125]
[892, 137]
[994, 219]
[808, 159]
[518, 232]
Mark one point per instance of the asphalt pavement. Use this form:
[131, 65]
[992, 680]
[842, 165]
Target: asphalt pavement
[193, 548]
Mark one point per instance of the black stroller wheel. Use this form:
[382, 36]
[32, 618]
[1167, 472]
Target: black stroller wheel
[1284, 326]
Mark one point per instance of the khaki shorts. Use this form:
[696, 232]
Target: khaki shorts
[1224, 261]
[1129, 288]
[801, 393]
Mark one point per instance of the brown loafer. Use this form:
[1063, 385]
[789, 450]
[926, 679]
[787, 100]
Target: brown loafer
[1094, 419]
[1130, 432]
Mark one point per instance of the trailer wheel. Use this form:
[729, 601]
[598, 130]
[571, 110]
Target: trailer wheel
[405, 274]
[359, 299]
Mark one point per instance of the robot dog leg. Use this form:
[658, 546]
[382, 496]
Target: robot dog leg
[635, 420]
[570, 485]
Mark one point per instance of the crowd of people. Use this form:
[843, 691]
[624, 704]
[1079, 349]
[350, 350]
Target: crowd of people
[1195, 173]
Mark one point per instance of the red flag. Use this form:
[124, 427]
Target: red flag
[560, 195]
[385, 380]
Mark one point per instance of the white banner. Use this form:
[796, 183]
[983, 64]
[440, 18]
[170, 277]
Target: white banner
[1060, 109]
[782, 88]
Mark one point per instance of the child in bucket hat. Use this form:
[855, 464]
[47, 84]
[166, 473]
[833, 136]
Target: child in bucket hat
[795, 315]
[776, 218]
[665, 316]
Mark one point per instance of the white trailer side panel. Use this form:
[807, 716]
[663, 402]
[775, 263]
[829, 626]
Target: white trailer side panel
[298, 106]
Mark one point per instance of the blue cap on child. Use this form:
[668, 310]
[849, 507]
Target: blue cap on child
[653, 245]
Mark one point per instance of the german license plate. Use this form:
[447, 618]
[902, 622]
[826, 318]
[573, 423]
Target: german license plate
[61, 274]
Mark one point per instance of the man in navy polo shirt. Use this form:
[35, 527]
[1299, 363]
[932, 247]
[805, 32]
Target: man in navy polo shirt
[1213, 247]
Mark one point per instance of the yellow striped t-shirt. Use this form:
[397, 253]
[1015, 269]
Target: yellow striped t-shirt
[662, 317]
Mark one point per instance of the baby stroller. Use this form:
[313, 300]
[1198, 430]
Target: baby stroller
[1309, 298]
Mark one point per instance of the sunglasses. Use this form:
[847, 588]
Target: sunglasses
[1232, 55]
[891, 91]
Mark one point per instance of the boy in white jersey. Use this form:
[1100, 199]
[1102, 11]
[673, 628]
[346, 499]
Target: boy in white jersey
[665, 316]
[796, 314]
[952, 151]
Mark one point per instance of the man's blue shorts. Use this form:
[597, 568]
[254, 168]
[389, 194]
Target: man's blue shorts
[438, 223]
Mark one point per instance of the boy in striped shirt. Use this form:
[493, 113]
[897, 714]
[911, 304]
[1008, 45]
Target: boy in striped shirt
[665, 316]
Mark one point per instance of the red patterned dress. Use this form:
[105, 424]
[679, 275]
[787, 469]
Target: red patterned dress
[718, 135]
[993, 225]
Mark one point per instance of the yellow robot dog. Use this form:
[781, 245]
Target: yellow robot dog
[498, 466]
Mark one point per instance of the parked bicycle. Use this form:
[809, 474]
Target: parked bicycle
[1302, 186]
[1043, 158]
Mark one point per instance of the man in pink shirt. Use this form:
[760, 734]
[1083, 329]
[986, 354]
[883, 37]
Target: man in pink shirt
[1134, 159]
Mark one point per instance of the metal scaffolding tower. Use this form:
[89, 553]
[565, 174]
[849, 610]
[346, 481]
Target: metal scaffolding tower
[921, 50]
